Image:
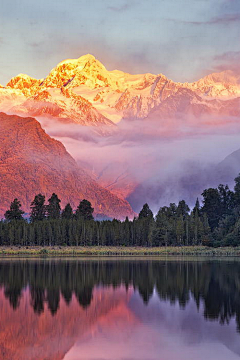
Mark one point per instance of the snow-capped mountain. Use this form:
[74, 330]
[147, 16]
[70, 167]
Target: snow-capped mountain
[223, 84]
[84, 91]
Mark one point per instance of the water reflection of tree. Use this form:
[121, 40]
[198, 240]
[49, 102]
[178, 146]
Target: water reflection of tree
[216, 284]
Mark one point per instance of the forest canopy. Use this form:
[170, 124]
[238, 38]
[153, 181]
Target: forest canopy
[214, 222]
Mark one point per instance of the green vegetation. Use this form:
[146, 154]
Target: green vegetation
[71, 251]
[215, 224]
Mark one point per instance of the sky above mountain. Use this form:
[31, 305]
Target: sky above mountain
[184, 39]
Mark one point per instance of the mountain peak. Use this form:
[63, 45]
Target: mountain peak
[82, 60]
[20, 77]
[219, 84]
[86, 70]
[82, 89]
[25, 83]
[226, 77]
[87, 57]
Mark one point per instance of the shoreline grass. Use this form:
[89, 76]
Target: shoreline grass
[36, 251]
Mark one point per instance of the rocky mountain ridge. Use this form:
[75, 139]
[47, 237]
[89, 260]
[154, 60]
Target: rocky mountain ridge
[32, 162]
[84, 91]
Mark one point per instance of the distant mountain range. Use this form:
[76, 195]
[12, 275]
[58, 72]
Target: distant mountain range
[82, 91]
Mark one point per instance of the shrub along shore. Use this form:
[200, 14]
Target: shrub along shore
[72, 251]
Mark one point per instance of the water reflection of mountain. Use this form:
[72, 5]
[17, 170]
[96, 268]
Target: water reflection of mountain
[214, 283]
[24, 335]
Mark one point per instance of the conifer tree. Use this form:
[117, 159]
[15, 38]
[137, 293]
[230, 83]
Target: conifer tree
[15, 212]
[227, 199]
[67, 212]
[212, 206]
[196, 224]
[207, 235]
[180, 231]
[237, 190]
[182, 209]
[38, 208]
[53, 207]
[196, 207]
[144, 224]
[145, 212]
[84, 210]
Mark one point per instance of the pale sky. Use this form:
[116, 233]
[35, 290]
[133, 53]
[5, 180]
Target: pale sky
[183, 39]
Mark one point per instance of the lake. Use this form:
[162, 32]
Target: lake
[97, 309]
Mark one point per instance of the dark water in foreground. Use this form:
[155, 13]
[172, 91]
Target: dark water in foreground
[119, 309]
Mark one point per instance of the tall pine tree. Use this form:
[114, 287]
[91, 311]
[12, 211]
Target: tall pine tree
[53, 207]
[84, 210]
[67, 212]
[15, 212]
[38, 208]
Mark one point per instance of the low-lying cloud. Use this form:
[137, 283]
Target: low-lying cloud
[163, 160]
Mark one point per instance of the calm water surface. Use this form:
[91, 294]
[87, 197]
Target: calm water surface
[119, 309]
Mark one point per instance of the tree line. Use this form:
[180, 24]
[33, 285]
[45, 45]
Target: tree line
[216, 222]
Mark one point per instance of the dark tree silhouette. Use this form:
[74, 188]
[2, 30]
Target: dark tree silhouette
[53, 207]
[38, 208]
[67, 212]
[85, 210]
[15, 212]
